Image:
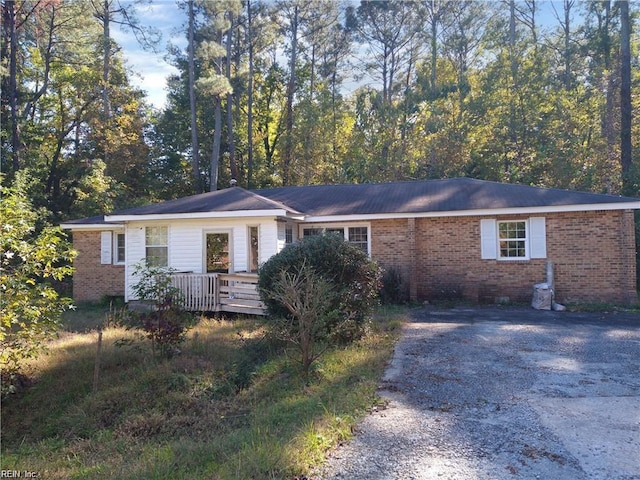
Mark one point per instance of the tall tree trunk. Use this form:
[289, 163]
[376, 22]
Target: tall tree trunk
[231, 142]
[106, 60]
[610, 86]
[434, 45]
[513, 137]
[217, 138]
[566, 27]
[106, 73]
[434, 62]
[10, 25]
[291, 87]
[625, 93]
[195, 147]
[250, 99]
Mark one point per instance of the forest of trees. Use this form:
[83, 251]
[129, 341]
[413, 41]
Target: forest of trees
[288, 92]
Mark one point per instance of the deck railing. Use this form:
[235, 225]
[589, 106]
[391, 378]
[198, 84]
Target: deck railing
[220, 292]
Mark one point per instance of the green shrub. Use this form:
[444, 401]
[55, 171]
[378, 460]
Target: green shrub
[167, 322]
[354, 279]
[393, 289]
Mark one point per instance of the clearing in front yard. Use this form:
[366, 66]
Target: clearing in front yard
[230, 405]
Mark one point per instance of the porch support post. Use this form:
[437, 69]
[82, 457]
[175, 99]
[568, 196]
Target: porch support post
[413, 266]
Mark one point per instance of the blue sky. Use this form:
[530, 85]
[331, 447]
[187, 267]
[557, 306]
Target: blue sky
[150, 69]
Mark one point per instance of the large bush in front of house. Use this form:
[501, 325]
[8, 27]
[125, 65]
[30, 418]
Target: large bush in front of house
[353, 281]
[166, 322]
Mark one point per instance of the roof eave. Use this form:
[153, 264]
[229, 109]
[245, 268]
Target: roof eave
[477, 212]
[202, 215]
[92, 226]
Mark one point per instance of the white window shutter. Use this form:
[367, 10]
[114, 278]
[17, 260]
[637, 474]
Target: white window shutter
[538, 237]
[106, 246]
[488, 239]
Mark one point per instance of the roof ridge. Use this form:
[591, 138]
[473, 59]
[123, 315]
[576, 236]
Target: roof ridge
[397, 182]
[269, 200]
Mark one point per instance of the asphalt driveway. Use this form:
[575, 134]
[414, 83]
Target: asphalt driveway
[503, 393]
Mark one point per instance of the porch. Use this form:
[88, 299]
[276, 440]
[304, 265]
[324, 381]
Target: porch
[220, 292]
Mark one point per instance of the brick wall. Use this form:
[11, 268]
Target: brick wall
[91, 280]
[593, 254]
[392, 246]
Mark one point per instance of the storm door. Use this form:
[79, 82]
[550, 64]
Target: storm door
[218, 253]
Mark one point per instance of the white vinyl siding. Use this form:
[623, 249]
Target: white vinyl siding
[269, 244]
[186, 243]
[513, 239]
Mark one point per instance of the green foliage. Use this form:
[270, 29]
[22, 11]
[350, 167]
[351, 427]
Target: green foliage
[226, 408]
[165, 328]
[32, 260]
[393, 290]
[308, 298]
[167, 322]
[353, 276]
[447, 93]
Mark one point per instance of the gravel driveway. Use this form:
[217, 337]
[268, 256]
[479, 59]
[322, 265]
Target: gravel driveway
[504, 393]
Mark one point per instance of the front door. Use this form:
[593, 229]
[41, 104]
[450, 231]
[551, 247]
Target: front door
[217, 257]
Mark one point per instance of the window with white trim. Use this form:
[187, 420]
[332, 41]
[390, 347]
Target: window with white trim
[112, 248]
[520, 239]
[157, 246]
[513, 241]
[359, 236]
[119, 248]
[356, 235]
[310, 232]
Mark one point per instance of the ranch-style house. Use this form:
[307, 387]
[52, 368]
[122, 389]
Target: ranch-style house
[461, 237]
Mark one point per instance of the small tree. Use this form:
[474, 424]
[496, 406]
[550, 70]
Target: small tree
[31, 260]
[308, 297]
[353, 276]
[167, 323]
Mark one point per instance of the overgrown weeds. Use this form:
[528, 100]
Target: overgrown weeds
[231, 405]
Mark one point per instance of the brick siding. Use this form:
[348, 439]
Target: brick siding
[92, 280]
[593, 255]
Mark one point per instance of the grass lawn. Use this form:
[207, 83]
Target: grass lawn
[230, 405]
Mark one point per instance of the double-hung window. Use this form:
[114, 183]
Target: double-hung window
[157, 246]
[288, 235]
[359, 236]
[119, 248]
[356, 235]
[521, 239]
[513, 241]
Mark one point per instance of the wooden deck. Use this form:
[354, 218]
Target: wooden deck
[220, 292]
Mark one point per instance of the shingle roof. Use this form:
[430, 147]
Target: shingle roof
[98, 219]
[227, 200]
[449, 195]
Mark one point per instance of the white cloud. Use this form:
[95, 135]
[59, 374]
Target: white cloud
[150, 70]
